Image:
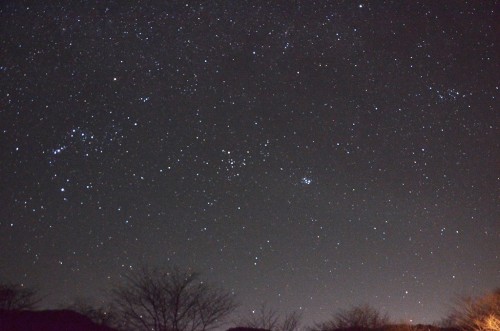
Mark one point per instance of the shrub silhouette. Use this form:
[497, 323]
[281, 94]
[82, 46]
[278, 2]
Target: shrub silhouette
[357, 317]
[17, 297]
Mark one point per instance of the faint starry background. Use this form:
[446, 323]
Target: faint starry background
[307, 154]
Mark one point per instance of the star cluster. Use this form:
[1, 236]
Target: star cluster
[310, 155]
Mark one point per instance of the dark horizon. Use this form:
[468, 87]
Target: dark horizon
[312, 156]
[239, 318]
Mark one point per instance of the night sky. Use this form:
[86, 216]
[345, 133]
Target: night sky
[312, 155]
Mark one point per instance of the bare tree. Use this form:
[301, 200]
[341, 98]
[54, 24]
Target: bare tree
[269, 319]
[362, 316]
[17, 297]
[479, 314]
[291, 321]
[171, 300]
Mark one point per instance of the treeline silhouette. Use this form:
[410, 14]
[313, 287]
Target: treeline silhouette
[158, 299]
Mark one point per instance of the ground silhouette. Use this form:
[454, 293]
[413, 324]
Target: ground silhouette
[396, 327]
[239, 328]
[47, 320]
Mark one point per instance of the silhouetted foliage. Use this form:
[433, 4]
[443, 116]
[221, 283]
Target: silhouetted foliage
[418, 327]
[363, 316]
[17, 297]
[171, 300]
[269, 319]
[479, 314]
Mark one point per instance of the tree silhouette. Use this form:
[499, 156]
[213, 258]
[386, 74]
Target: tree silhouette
[479, 314]
[269, 319]
[362, 316]
[17, 297]
[170, 300]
